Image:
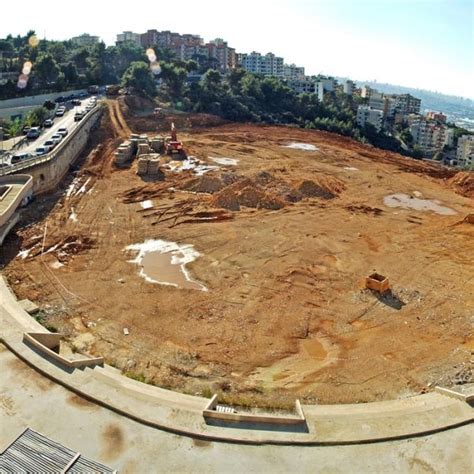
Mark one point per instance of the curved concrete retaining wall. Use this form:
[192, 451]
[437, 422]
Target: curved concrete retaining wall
[46, 342]
[210, 412]
[48, 171]
[21, 179]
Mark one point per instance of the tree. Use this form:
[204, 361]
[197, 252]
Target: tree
[36, 116]
[174, 79]
[139, 77]
[13, 127]
[46, 69]
[191, 65]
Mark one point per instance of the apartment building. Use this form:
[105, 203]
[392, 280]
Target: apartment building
[268, 64]
[349, 87]
[407, 104]
[291, 72]
[437, 116]
[465, 151]
[428, 134]
[85, 40]
[324, 85]
[366, 114]
[301, 86]
[376, 100]
[129, 37]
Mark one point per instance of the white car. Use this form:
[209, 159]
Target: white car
[56, 138]
[63, 131]
[42, 150]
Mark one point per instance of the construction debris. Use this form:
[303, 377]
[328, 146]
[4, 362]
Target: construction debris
[378, 283]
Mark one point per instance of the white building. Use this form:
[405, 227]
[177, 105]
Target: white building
[85, 40]
[300, 86]
[349, 87]
[291, 72]
[268, 64]
[465, 151]
[376, 100]
[323, 85]
[129, 36]
[366, 114]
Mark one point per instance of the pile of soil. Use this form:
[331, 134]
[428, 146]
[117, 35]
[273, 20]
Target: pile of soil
[204, 184]
[463, 183]
[324, 189]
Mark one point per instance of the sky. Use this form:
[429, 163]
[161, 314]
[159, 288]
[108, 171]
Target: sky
[427, 44]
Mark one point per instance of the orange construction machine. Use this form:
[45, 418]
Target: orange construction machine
[173, 146]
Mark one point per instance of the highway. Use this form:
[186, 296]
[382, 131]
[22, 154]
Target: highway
[67, 120]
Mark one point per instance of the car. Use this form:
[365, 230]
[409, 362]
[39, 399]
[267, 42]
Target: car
[20, 157]
[48, 123]
[25, 130]
[59, 99]
[63, 131]
[42, 150]
[60, 112]
[76, 102]
[50, 144]
[79, 115]
[82, 94]
[89, 107]
[33, 133]
[69, 98]
[57, 138]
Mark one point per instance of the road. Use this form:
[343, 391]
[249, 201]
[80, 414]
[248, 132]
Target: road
[65, 121]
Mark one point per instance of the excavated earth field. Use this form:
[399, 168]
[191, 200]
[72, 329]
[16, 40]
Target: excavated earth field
[286, 237]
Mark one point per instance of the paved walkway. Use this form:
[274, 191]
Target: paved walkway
[29, 400]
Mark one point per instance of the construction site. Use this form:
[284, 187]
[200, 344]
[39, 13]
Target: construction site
[262, 263]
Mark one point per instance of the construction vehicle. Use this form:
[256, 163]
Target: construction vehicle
[173, 146]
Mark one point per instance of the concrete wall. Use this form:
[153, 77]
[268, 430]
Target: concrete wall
[48, 172]
[33, 100]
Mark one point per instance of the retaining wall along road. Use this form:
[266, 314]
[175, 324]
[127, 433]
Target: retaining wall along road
[49, 170]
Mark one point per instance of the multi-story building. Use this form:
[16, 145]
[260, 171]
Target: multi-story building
[407, 104]
[376, 100]
[301, 86]
[365, 92]
[324, 85]
[428, 134]
[437, 116]
[268, 64]
[366, 114]
[348, 87]
[291, 72]
[85, 40]
[129, 37]
[465, 151]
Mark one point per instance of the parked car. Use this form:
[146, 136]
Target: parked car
[41, 150]
[25, 130]
[48, 123]
[76, 102]
[59, 99]
[20, 157]
[78, 116]
[63, 131]
[33, 133]
[50, 144]
[57, 138]
[60, 112]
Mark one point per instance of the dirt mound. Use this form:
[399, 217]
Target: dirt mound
[204, 184]
[463, 183]
[325, 188]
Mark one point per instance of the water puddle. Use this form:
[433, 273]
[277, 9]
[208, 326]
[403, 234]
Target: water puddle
[298, 369]
[351, 168]
[301, 146]
[191, 163]
[406, 201]
[165, 262]
[224, 161]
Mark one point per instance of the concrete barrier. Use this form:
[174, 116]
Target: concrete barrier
[211, 412]
[46, 343]
[49, 170]
[32, 100]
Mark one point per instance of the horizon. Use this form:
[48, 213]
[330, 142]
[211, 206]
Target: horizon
[410, 31]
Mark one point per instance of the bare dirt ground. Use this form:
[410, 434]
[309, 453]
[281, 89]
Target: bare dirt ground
[286, 237]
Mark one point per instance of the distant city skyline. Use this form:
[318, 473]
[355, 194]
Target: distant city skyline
[426, 44]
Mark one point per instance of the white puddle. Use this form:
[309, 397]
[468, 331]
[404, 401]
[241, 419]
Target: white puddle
[351, 168]
[224, 161]
[406, 201]
[56, 265]
[73, 216]
[301, 146]
[146, 204]
[164, 262]
[191, 163]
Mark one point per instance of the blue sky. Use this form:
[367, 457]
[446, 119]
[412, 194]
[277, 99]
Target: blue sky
[419, 43]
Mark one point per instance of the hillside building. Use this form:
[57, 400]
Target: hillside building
[465, 151]
[366, 114]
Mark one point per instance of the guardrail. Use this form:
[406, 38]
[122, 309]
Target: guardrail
[25, 164]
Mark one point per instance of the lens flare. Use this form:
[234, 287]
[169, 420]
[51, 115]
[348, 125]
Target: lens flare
[151, 55]
[33, 41]
[155, 67]
[27, 68]
[22, 81]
